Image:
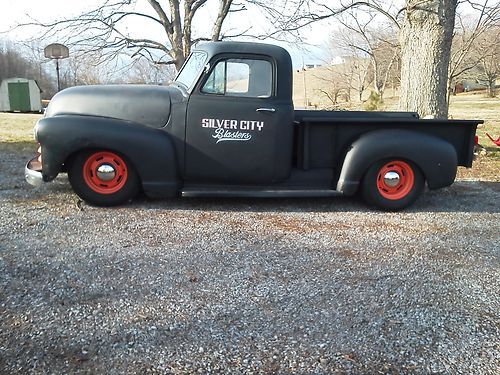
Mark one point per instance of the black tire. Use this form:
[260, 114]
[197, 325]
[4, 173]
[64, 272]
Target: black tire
[88, 185]
[409, 186]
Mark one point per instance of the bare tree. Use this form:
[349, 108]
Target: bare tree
[473, 41]
[100, 36]
[104, 28]
[333, 84]
[12, 62]
[355, 71]
[85, 69]
[425, 36]
[142, 71]
[364, 36]
[488, 50]
[42, 69]
[387, 54]
[354, 66]
[426, 32]
[20, 60]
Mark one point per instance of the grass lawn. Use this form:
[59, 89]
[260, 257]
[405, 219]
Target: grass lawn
[17, 127]
[16, 131]
[477, 106]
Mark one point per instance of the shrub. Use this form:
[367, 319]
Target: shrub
[374, 102]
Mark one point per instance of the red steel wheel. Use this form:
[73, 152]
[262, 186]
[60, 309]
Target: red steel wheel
[392, 184]
[105, 172]
[103, 177]
[395, 180]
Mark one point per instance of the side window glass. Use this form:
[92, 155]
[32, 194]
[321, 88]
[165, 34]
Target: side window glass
[240, 77]
[238, 74]
[215, 82]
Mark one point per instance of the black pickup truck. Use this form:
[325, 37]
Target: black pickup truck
[227, 127]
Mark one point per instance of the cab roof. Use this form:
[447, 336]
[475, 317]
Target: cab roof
[216, 48]
[281, 57]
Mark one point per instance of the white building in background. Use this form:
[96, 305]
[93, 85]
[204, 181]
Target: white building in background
[20, 95]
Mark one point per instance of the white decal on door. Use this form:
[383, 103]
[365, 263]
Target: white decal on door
[232, 130]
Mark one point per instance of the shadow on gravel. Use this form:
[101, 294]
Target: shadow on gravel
[463, 196]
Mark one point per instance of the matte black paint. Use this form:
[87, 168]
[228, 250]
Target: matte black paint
[318, 152]
[151, 151]
[435, 157]
[148, 105]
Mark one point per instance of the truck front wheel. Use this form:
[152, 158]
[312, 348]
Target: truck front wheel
[392, 185]
[103, 178]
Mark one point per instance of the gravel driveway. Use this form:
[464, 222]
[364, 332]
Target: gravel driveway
[247, 286]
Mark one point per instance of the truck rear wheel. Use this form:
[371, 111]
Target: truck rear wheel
[392, 185]
[103, 178]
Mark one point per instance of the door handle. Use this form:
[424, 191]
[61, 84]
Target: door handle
[265, 110]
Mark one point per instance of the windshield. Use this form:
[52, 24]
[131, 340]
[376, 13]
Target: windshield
[191, 69]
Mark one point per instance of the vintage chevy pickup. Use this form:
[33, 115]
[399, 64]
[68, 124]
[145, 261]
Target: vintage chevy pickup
[227, 127]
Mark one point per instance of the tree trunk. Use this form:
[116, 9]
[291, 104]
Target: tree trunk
[224, 6]
[177, 51]
[492, 92]
[425, 38]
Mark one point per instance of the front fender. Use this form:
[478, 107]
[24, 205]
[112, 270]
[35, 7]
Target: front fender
[150, 150]
[434, 156]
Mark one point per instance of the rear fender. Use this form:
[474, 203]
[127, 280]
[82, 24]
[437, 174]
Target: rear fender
[150, 150]
[434, 156]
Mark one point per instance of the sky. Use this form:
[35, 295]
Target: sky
[22, 11]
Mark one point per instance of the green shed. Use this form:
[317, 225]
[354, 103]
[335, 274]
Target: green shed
[20, 95]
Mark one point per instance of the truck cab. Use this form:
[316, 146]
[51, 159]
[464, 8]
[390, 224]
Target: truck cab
[226, 126]
[239, 116]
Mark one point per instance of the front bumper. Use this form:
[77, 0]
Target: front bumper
[33, 172]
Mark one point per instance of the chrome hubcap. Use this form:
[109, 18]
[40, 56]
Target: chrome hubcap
[105, 172]
[391, 179]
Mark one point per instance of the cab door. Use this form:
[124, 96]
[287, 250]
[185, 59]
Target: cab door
[238, 132]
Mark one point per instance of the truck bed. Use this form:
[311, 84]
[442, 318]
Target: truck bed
[300, 114]
[331, 133]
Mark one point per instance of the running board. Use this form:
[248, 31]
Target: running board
[293, 193]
